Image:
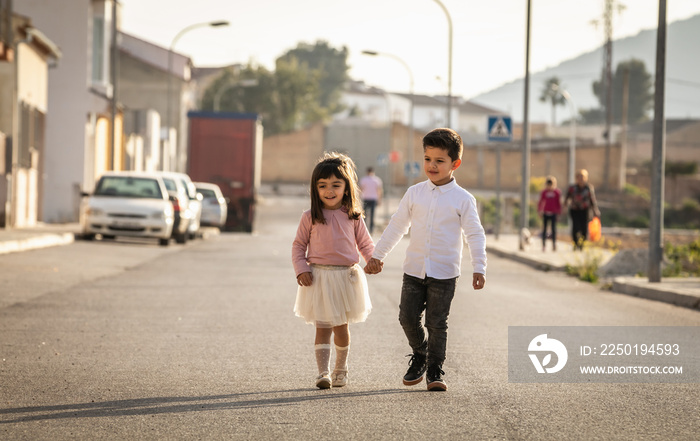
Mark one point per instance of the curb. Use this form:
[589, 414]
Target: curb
[626, 285]
[33, 243]
[534, 263]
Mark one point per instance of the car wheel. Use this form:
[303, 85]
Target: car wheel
[87, 236]
[164, 242]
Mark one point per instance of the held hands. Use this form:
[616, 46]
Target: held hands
[304, 279]
[374, 266]
[478, 281]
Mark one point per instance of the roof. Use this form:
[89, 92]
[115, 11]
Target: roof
[152, 54]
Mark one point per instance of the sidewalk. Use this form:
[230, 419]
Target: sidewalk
[41, 236]
[678, 291]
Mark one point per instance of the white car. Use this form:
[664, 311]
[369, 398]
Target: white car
[128, 204]
[214, 205]
[181, 202]
[190, 204]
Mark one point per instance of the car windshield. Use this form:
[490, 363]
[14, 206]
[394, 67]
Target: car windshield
[170, 184]
[191, 192]
[128, 187]
[207, 193]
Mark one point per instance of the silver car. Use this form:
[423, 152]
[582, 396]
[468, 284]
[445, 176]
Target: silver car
[127, 204]
[214, 205]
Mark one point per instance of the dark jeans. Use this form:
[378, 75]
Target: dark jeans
[551, 219]
[434, 297]
[579, 227]
[369, 205]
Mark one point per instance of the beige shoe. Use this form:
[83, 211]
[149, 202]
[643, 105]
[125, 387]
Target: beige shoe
[323, 381]
[340, 378]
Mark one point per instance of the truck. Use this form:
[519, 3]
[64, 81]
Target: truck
[225, 148]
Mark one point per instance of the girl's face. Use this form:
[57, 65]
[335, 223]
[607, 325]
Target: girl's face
[438, 165]
[331, 192]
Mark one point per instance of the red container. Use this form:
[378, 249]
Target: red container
[226, 149]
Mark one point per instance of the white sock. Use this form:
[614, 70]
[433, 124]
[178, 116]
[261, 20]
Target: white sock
[341, 358]
[323, 358]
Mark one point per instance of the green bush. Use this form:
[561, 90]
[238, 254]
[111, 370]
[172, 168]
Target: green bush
[684, 260]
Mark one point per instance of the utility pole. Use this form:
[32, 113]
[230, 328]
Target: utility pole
[525, 190]
[658, 153]
[607, 74]
[607, 80]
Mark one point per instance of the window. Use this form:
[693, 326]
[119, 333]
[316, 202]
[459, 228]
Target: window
[98, 51]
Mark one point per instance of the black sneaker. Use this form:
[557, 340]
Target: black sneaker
[416, 370]
[434, 380]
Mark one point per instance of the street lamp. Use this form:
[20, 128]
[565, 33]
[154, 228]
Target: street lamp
[449, 63]
[572, 142]
[170, 62]
[242, 83]
[410, 92]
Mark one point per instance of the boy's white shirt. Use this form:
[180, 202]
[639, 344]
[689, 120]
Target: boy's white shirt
[439, 217]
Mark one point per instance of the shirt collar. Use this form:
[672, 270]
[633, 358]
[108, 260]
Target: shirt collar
[443, 188]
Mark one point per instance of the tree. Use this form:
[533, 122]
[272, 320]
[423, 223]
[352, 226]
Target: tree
[550, 92]
[304, 88]
[331, 65]
[641, 96]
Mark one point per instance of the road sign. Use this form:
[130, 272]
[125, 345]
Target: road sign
[500, 128]
[411, 169]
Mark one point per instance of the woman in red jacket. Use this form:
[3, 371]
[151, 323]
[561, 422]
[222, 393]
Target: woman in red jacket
[549, 207]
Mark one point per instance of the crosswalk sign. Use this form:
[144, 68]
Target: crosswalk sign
[500, 128]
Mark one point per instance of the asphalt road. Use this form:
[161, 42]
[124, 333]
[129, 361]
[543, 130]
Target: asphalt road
[128, 340]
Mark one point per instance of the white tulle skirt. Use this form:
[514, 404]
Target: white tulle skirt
[338, 295]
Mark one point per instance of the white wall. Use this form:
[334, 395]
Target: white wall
[68, 23]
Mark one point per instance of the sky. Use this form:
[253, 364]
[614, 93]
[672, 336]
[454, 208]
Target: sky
[488, 36]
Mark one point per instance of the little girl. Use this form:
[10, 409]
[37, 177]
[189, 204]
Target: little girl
[549, 207]
[332, 287]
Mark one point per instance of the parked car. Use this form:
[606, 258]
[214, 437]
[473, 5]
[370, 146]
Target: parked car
[180, 202]
[214, 205]
[189, 199]
[128, 204]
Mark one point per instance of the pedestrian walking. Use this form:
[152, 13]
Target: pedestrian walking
[439, 213]
[326, 251]
[371, 186]
[580, 198]
[549, 207]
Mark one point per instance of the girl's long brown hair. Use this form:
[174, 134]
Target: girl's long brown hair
[342, 167]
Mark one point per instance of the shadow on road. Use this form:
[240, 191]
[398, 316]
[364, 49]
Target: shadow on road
[165, 405]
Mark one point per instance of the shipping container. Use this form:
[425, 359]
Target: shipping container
[226, 149]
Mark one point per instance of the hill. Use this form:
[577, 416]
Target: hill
[577, 75]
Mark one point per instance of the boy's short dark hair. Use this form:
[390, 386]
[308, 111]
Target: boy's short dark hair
[446, 139]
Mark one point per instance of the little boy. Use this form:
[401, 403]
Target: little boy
[438, 212]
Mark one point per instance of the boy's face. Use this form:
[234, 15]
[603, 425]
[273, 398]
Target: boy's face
[438, 165]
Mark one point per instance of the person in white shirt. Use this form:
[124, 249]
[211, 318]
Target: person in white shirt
[439, 214]
[371, 186]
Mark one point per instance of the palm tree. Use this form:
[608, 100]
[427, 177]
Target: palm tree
[550, 92]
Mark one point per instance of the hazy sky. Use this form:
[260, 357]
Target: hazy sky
[488, 35]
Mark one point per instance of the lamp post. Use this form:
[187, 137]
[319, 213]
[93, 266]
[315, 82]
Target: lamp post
[170, 63]
[449, 63]
[242, 83]
[572, 142]
[525, 190]
[409, 145]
